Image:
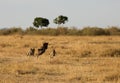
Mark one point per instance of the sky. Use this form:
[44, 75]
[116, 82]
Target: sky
[81, 13]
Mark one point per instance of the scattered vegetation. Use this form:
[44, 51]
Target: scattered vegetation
[86, 31]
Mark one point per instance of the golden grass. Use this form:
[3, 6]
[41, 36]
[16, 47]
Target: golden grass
[79, 59]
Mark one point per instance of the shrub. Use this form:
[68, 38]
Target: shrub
[74, 31]
[62, 30]
[92, 31]
[31, 30]
[48, 31]
[11, 31]
[4, 31]
[113, 30]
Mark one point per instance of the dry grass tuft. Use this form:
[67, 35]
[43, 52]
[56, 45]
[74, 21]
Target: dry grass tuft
[111, 53]
[112, 78]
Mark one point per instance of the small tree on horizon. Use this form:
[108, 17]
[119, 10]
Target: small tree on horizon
[60, 20]
[40, 22]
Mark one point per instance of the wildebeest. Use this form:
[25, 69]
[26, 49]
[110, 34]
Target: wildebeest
[42, 49]
[31, 52]
[45, 45]
[53, 53]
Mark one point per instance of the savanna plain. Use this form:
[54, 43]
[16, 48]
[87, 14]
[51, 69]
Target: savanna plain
[79, 59]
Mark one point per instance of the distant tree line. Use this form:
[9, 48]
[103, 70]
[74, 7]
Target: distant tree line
[86, 31]
[44, 22]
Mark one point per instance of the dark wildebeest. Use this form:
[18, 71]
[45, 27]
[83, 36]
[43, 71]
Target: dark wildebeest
[31, 52]
[42, 49]
[53, 53]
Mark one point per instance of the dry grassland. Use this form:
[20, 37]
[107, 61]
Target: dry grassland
[79, 59]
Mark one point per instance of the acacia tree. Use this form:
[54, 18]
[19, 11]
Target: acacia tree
[40, 22]
[60, 20]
